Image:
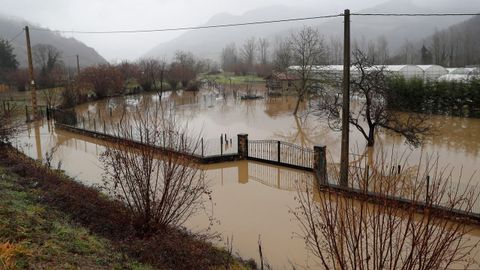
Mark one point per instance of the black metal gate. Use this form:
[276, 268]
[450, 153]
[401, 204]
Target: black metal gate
[279, 152]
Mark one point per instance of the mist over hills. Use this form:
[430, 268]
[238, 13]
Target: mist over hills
[208, 43]
[9, 27]
[396, 30]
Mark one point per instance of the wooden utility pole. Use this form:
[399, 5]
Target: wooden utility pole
[33, 86]
[345, 101]
[78, 66]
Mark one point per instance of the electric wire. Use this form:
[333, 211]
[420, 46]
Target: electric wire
[16, 36]
[193, 27]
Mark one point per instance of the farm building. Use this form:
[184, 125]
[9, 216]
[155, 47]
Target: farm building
[433, 72]
[280, 81]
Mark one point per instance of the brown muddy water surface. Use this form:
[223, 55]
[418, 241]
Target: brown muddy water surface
[250, 199]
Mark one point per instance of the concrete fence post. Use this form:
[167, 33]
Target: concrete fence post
[320, 164]
[242, 140]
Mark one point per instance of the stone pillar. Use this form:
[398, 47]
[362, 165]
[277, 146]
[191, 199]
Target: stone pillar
[242, 140]
[320, 164]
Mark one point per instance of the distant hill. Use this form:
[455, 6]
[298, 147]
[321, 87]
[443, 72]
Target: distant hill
[396, 30]
[456, 46]
[68, 46]
[208, 43]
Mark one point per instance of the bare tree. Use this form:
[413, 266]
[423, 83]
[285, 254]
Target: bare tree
[248, 53]
[335, 51]
[370, 83]
[184, 67]
[282, 55]
[159, 190]
[52, 97]
[162, 73]
[263, 46]
[439, 48]
[229, 57]
[149, 72]
[308, 50]
[382, 52]
[105, 80]
[346, 231]
[10, 123]
[408, 53]
[48, 59]
[129, 70]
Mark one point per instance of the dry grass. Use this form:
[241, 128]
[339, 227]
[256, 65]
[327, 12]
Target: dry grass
[98, 217]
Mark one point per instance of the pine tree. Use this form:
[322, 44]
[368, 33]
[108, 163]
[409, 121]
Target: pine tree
[8, 61]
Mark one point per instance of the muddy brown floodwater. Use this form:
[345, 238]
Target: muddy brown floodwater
[250, 199]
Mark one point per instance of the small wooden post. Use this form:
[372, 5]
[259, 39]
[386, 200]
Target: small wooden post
[202, 147]
[367, 175]
[427, 196]
[221, 144]
[399, 169]
[278, 151]
[83, 121]
[182, 141]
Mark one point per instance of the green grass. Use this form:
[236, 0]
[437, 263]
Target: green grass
[33, 236]
[226, 78]
[22, 98]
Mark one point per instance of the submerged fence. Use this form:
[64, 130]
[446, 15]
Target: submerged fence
[267, 151]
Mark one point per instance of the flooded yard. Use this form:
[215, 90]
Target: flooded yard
[251, 199]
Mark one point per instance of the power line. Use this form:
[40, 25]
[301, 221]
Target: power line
[415, 14]
[16, 36]
[258, 23]
[194, 27]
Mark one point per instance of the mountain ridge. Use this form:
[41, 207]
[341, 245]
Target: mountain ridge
[396, 30]
[11, 26]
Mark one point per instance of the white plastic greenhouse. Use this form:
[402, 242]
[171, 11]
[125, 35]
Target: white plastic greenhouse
[433, 72]
[461, 74]
[406, 71]
[425, 72]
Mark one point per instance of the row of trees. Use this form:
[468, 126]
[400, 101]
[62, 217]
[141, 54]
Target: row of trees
[252, 57]
[151, 74]
[452, 47]
[50, 70]
[104, 79]
[445, 97]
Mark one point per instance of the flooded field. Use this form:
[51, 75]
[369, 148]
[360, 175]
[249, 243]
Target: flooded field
[251, 200]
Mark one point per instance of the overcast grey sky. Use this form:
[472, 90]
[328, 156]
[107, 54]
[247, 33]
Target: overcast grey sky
[101, 15]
